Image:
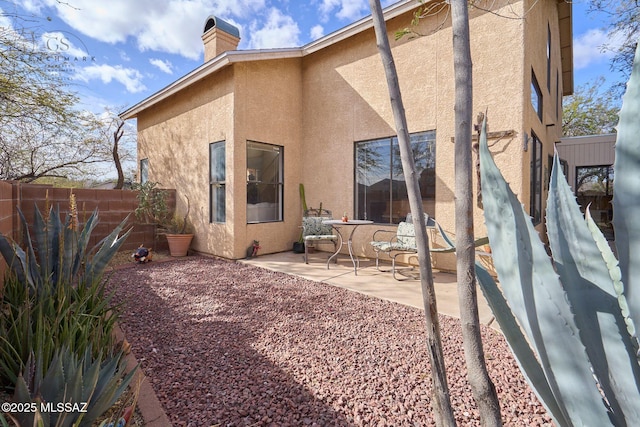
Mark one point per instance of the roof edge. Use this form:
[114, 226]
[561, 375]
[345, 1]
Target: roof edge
[230, 57]
[206, 69]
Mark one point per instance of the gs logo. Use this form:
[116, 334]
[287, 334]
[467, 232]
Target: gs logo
[57, 43]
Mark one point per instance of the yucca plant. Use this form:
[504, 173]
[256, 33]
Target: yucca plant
[569, 318]
[83, 387]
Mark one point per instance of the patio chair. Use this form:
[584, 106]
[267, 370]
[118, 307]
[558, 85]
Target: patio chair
[402, 241]
[314, 232]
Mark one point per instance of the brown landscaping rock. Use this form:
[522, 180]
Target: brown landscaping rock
[235, 345]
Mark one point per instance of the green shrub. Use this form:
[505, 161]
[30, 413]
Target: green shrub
[50, 318]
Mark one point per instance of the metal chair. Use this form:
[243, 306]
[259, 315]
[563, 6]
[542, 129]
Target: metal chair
[315, 232]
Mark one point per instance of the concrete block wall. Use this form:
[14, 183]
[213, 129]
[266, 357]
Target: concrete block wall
[113, 207]
[6, 219]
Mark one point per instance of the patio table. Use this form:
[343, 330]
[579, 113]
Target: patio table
[353, 223]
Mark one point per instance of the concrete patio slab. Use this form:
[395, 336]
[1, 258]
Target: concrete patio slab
[372, 282]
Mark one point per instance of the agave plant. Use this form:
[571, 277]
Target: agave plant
[570, 318]
[73, 391]
[63, 254]
[50, 318]
[56, 298]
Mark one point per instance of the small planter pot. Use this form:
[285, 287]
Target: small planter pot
[179, 244]
[298, 247]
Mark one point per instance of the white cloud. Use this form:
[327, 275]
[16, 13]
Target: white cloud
[171, 26]
[279, 31]
[164, 66]
[594, 47]
[350, 10]
[130, 78]
[316, 32]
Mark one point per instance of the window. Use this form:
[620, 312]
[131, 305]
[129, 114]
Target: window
[144, 171]
[264, 182]
[536, 95]
[549, 58]
[594, 188]
[595, 180]
[381, 193]
[535, 209]
[217, 183]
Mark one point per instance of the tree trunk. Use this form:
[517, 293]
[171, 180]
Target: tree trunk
[117, 134]
[483, 389]
[441, 401]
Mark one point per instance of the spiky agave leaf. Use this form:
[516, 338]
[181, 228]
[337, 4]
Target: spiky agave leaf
[586, 278]
[109, 246]
[524, 355]
[626, 191]
[537, 299]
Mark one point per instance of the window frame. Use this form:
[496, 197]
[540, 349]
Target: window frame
[216, 183]
[536, 180]
[609, 182]
[536, 95]
[257, 182]
[144, 170]
[390, 164]
[549, 58]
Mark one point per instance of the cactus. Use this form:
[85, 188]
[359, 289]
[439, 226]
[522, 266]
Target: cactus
[570, 318]
[84, 387]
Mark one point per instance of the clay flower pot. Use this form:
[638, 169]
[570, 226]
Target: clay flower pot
[179, 244]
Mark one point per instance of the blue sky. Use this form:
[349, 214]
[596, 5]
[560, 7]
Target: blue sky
[125, 50]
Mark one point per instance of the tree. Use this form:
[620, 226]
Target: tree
[118, 137]
[482, 386]
[441, 401]
[624, 26]
[590, 110]
[483, 389]
[42, 132]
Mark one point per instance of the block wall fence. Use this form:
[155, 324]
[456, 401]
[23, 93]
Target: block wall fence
[113, 207]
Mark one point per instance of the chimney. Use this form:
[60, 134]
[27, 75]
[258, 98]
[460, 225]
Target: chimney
[219, 36]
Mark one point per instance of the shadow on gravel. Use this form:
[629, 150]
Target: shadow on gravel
[237, 345]
[195, 331]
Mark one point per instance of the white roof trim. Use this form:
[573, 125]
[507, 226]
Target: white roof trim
[230, 57]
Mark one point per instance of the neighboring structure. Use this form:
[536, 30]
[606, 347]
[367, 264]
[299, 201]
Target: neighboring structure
[239, 134]
[588, 166]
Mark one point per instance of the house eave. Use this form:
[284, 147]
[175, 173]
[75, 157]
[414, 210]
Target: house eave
[227, 58]
[565, 17]
[363, 24]
[207, 69]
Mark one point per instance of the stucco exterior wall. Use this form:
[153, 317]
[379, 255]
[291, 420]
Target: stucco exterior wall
[175, 136]
[267, 109]
[540, 19]
[346, 100]
[317, 105]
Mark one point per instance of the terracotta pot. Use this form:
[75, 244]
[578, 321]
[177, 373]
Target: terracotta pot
[179, 244]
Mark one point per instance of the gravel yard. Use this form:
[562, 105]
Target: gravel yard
[228, 344]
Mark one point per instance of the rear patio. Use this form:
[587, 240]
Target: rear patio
[372, 282]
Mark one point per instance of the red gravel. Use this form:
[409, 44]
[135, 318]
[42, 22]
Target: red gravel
[236, 345]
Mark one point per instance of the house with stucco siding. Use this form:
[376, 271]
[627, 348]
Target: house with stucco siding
[241, 132]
